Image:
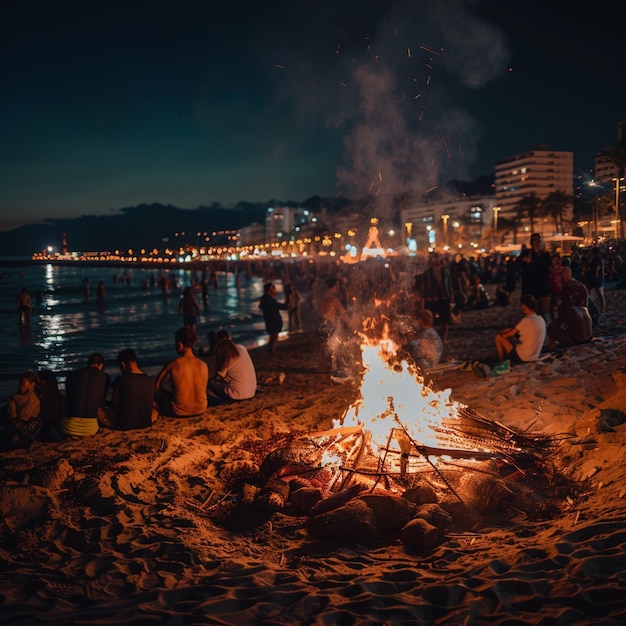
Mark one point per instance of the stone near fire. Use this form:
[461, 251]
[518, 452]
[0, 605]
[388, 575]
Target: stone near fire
[419, 535]
[355, 521]
[273, 495]
[337, 500]
[304, 499]
[420, 494]
[487, 494]
[236, 474]
[391, 512]
[434, 515]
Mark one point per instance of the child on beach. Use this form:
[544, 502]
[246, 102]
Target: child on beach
[23, 412]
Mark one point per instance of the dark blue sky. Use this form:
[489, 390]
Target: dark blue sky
[108, 104]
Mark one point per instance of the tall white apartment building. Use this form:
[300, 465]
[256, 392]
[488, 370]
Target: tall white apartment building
[606, 172]
[539, 171]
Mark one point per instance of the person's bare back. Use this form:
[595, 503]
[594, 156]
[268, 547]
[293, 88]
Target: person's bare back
[330, 306]
[188, 377]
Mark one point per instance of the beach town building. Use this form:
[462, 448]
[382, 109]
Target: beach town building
[605, 172]
[281, 223]
[485, 220]
[460, 222]
[607, 182]
[539, 171]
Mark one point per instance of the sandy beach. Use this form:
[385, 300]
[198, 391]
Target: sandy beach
[154, 526]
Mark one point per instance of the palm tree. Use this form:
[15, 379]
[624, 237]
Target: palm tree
[616, 155]
[555, 204]
[530, 206]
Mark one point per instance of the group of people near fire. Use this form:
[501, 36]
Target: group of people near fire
[39, 410]
[347, 305]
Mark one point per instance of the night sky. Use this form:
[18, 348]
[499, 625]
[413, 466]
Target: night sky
[108, 104]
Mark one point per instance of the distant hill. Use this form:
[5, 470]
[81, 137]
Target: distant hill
[144, 226]
[154, 225]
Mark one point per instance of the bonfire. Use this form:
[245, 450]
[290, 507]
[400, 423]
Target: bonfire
[403, 439]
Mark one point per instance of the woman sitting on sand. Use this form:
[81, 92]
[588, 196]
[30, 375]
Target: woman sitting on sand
[235, 377]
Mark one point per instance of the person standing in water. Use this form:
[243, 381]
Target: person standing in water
[24, 307]
[189, 308]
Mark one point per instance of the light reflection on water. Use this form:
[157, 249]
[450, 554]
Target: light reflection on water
[65, 329]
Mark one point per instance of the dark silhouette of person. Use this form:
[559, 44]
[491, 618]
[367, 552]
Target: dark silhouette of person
[271, 314]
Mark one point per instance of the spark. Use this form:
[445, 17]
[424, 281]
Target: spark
[380, 176]
[408, 52]
[280, 67]
[428, 49]
[342, 84]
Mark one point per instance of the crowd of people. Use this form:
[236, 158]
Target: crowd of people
[412, 301]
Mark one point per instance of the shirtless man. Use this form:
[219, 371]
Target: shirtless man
[332, 310]
[187, 375]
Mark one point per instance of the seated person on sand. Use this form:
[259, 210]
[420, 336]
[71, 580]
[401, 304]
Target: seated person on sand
[51, 406]
[133, 394]
[573, 292]
[573, 324]
[235, 377]
[529, 334]
[86, 391]
[23, 413]
[180, 389]
[425, 346]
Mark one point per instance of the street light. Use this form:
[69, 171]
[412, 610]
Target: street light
[496, 210]
[617, 214]
[445, 219]
[594, 207]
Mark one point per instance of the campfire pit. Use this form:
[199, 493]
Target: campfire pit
[407, 442]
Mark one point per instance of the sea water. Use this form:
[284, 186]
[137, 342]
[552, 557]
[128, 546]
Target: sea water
[65, 326]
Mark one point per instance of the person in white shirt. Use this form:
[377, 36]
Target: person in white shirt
[524, 341]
